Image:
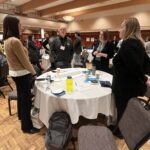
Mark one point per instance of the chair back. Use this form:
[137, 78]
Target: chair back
[3, 68]
[135, 124]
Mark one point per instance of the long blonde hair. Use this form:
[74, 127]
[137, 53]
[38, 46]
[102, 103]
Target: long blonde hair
[133, 29]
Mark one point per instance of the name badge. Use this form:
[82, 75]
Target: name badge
[62, 47]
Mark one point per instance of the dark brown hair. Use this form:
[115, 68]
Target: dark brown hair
[10, 27]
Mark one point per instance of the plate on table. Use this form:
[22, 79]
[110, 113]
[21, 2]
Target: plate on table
[57, 91]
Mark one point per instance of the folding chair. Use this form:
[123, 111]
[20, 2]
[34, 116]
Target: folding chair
[134, 126]
[3, 77]
[11, 96]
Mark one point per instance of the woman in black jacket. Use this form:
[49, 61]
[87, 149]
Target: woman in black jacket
[130, 66]
[103, 52]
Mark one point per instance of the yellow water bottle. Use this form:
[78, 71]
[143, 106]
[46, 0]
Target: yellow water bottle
[69, 84]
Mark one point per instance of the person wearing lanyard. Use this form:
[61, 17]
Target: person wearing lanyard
[103, 52]
[62, 49]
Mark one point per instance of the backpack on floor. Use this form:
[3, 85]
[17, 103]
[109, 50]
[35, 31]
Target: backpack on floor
[59, 132]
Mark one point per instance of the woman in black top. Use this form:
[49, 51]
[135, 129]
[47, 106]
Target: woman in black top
[103, 52]
[130, 66]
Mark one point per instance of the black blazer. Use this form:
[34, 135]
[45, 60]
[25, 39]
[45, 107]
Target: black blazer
[129, 70]
[103, 64]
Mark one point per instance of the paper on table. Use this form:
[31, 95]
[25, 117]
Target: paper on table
[81, 85]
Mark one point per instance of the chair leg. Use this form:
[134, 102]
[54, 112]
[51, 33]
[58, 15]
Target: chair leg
[10, 86]
[9, 107]
[2, 93]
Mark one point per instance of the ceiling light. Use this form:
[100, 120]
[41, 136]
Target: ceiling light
[68, 18]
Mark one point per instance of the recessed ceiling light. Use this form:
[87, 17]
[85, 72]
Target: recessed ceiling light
[68, 18]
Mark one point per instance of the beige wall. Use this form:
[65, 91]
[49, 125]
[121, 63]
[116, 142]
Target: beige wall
[108, 22]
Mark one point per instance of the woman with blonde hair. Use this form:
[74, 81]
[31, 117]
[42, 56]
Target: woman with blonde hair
[130, 66]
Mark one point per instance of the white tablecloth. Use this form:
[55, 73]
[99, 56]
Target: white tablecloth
[86, 100]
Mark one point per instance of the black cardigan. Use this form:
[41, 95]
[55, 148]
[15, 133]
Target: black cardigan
[129, 69]
[103, 64]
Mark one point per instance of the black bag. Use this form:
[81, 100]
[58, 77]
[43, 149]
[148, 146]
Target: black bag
[59, 132]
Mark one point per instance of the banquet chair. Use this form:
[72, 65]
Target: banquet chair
[134, 126]
[3, 76]
[13, 96]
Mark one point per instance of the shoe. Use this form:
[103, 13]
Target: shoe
[31, 131]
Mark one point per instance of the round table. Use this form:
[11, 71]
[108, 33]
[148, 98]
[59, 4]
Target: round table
[87, 99]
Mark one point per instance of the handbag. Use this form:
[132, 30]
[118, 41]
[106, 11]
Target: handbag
[35, 118]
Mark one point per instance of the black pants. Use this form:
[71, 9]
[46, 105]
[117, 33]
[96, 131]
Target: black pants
[121, 103]
[23, 85]
[124, 95]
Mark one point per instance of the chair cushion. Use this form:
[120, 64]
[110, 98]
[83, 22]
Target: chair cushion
[12, 95]
[96, 138]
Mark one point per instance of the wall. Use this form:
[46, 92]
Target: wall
[108, 22]
[90, 28]
[91, 35]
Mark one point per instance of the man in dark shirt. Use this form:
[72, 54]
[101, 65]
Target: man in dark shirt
[62, 49]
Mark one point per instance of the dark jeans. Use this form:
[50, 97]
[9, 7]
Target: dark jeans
[61, 64]
[23, 85]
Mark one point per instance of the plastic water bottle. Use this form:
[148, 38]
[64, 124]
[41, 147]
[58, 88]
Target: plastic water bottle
[48, 80]
[69, 84]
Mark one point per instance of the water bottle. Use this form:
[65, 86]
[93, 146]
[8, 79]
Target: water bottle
[69, 84]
